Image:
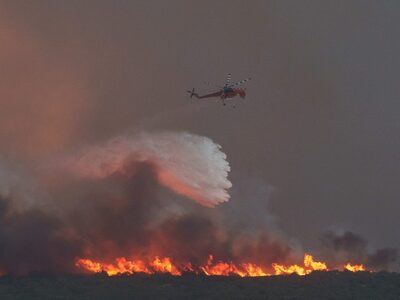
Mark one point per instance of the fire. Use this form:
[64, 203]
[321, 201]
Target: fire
[354, 268]
[165, 265]
[309, 266]
[226, 269]
[314, 265]
[254, 270]
[210, 268]
[281, 270]
[90, 265]
[122, 266]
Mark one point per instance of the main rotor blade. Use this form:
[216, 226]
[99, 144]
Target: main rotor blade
[228, 79]
[240, 82]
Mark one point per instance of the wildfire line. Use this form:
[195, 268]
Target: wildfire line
[211, 268]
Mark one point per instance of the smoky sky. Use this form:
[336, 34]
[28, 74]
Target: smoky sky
[319, 124]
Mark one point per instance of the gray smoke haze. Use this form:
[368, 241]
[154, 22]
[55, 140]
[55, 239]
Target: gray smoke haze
[351, 247]
[345, 247]
[31, 241]
[384, 259]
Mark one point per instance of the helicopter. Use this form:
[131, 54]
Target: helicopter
[228, 91]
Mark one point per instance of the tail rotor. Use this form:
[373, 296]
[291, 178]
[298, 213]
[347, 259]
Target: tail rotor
[192, 93]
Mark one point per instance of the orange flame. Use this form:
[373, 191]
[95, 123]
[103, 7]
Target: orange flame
[314, 265]
[165, 265]
[226, 269]
[219, 268]
[281, 269]
[309, 266]
[354, 268]
[122, 265]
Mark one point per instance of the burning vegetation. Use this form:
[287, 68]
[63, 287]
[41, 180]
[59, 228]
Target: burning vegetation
[211, 268]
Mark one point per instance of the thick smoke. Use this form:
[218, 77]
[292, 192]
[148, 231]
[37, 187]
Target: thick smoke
[350, 247]
[383, 259]
[347, 246]
[118, 199]
[127, 222]
[33, 241]
[188, 164]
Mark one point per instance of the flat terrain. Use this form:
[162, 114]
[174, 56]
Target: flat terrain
[324, 285]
